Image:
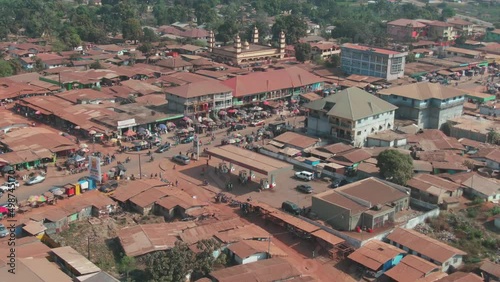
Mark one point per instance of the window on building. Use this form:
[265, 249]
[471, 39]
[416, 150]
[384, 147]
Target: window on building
[359, 133]
[455, 260]
[397, 65]
[405, 99]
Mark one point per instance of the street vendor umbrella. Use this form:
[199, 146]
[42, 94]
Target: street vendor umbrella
[92, 132]
[141, 129]
[186, 119]
[38, 113]
[162, 126]
[232, 111]
[57, 191]
[33, 199]
[170, 124]
[41, 199]
[83, 146]
[183, 130]
[4, 210]
[130, 133]
[222, 113]
[190, 129]
[7, 168]
[121, 167]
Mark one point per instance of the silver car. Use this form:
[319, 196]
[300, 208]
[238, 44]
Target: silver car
[4, 232]
[182, 159]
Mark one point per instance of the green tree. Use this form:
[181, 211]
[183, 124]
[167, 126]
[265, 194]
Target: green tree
[58, 46]
[411, 58]
[146, 48]
[37, 64]
[334, 61]
[16, 66]
[447, 13]
[96, 65]
[493, 137]
[302, 52]
[205, 259]
[149, 35]
[395, 166]
[126, 265]
[227, 30]
[461, 40]
[293, 25]
[5, 69]
[172, 265]
[131, 30]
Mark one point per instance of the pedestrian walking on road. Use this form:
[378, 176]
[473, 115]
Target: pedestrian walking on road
[174, 167]
[176, 183]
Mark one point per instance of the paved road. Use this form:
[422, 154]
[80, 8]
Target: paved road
[57, 179]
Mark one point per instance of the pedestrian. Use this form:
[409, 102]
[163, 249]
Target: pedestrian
[192, 155]
[174, 167]
[156, 175]
[180, 153]
[151, 175]
[207, 163]
[176, 183]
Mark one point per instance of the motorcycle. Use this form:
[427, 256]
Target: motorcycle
[205, 183]
[127, 160]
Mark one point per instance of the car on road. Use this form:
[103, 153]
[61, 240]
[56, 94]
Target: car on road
[4, 189]
[4, 232]
[181, 159]
[304, 175]
[188, 139]
[305, 188]
[257, 123]
[16, 183]
[337, 182]
[163, 148]
[35, 180]
[239, 126]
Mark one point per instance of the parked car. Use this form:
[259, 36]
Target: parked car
[337, 182]
[35, 180]
[290, 207]
[188, 139]
[257, 123]
[163, 148]
[109, 187]
[181, 159]
[16, 183]
[239, 126]
[305, 188]
[304, 175]
[4, 232]
[4, 189]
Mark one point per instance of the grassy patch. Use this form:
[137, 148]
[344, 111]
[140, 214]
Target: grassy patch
[469, 233]
[485, 12]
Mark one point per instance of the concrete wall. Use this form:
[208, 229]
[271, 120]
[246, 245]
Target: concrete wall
[469, 134]
[371, 125]
[318, 126]
[250, 259]
[337, 216]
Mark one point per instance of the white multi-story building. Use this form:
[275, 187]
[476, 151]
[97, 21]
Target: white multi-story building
[365, 60]
[350, 116]
[199, 97]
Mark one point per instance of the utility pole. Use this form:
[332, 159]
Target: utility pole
[269, 246]
[140, 167]
[88, 247]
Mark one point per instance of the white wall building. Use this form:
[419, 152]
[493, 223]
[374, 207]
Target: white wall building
[350, 115]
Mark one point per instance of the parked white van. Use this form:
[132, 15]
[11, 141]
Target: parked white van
[304, 175]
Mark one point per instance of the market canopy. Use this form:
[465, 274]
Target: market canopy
[248, 159]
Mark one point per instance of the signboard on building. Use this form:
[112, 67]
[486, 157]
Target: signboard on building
[126, 123]
[95, 168]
